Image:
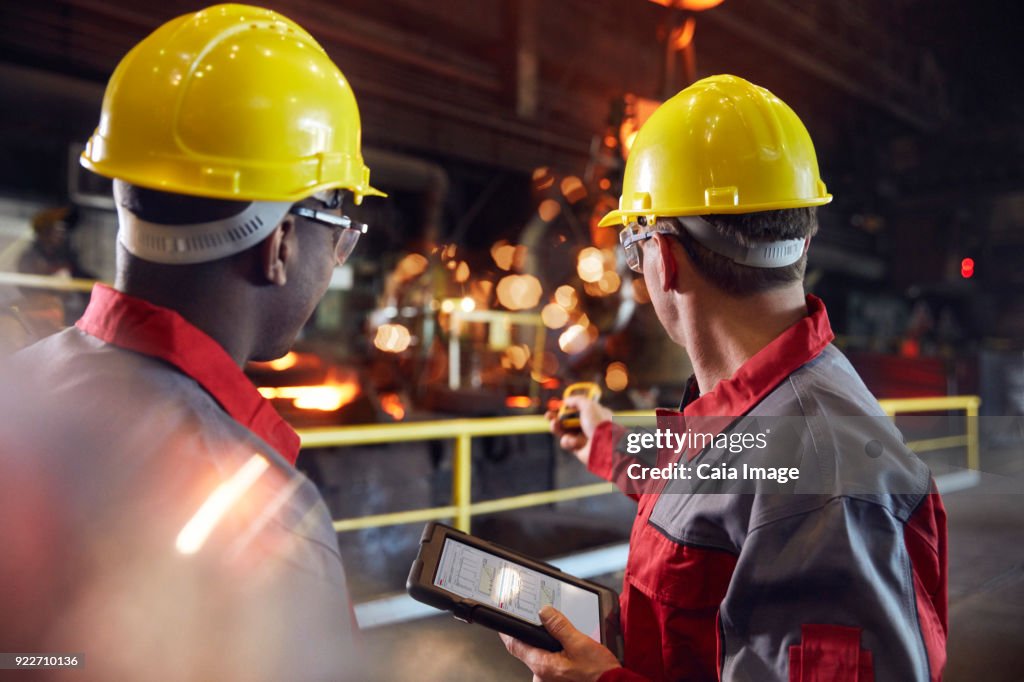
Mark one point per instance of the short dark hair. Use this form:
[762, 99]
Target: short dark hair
[745, 229]
[168, 208]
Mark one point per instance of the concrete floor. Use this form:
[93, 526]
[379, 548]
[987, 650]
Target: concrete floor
[986, 578]
[986, 589]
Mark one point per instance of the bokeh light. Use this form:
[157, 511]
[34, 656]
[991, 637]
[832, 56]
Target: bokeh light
[573, 189]
[412, 265]
[549, 210]
[590, 264]
[542, 178]
[616, 377]
[554, 316]
[566, 297]
[516, 357]
[574, 339]
[519, 292]
[609, 282]
[503, 254]
[392, 338]
[640, 293]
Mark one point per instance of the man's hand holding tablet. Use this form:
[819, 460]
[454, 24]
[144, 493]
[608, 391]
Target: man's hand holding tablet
[580, 660]
[538, 608]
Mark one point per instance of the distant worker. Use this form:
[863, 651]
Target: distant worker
[181, 543]
[843, 579]
[51, 253]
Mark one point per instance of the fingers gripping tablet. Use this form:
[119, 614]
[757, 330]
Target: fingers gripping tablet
[480, 582]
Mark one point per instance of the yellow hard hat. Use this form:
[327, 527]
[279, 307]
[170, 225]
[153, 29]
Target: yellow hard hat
[722, 145]
[231, 102]
[49, 217]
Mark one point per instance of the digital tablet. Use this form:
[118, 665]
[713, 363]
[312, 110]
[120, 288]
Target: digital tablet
[484, 583]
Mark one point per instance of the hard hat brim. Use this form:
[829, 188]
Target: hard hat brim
[168, 183]
[626, 216]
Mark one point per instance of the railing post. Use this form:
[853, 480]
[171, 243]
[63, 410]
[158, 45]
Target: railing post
[462, 472]
[973, 446]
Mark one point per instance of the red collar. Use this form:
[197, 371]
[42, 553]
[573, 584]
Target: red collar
[137, 325]
[769, 367]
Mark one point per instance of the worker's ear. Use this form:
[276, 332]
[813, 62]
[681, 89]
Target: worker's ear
[275, 252]
[669, 268]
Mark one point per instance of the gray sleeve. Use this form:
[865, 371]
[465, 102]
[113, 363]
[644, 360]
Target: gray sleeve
[831, 587]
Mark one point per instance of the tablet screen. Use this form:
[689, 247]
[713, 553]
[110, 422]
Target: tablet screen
[515, 589]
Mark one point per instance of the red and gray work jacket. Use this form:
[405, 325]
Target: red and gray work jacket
[841, 576]
[161, 484]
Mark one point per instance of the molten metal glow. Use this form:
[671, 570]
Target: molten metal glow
[694, 5]
[286, 361]
[322, 398]
[325, 398]
[628, 141]
[392, 404]
[684, 35]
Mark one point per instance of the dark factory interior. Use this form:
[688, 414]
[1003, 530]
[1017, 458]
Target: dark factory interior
[500, 131]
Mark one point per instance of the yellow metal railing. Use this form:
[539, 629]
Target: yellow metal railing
[462, 431]
[20, 279]
[968, 403]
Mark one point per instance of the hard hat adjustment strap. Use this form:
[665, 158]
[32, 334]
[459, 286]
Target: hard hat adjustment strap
[199, 242]
[777, 254]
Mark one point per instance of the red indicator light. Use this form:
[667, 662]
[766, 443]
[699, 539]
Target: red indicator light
[967, 268]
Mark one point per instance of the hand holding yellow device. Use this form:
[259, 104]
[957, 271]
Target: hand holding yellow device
[569, 417]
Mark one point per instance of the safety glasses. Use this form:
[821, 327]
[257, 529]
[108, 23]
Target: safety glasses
[347, 231]
[630, 238]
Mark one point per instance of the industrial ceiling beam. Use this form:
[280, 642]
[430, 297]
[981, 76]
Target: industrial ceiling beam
[866, 63]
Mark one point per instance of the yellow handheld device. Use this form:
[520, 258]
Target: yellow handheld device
[568, 417]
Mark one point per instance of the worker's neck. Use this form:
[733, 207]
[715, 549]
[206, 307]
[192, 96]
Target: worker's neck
[722, 332]
[228, 330]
